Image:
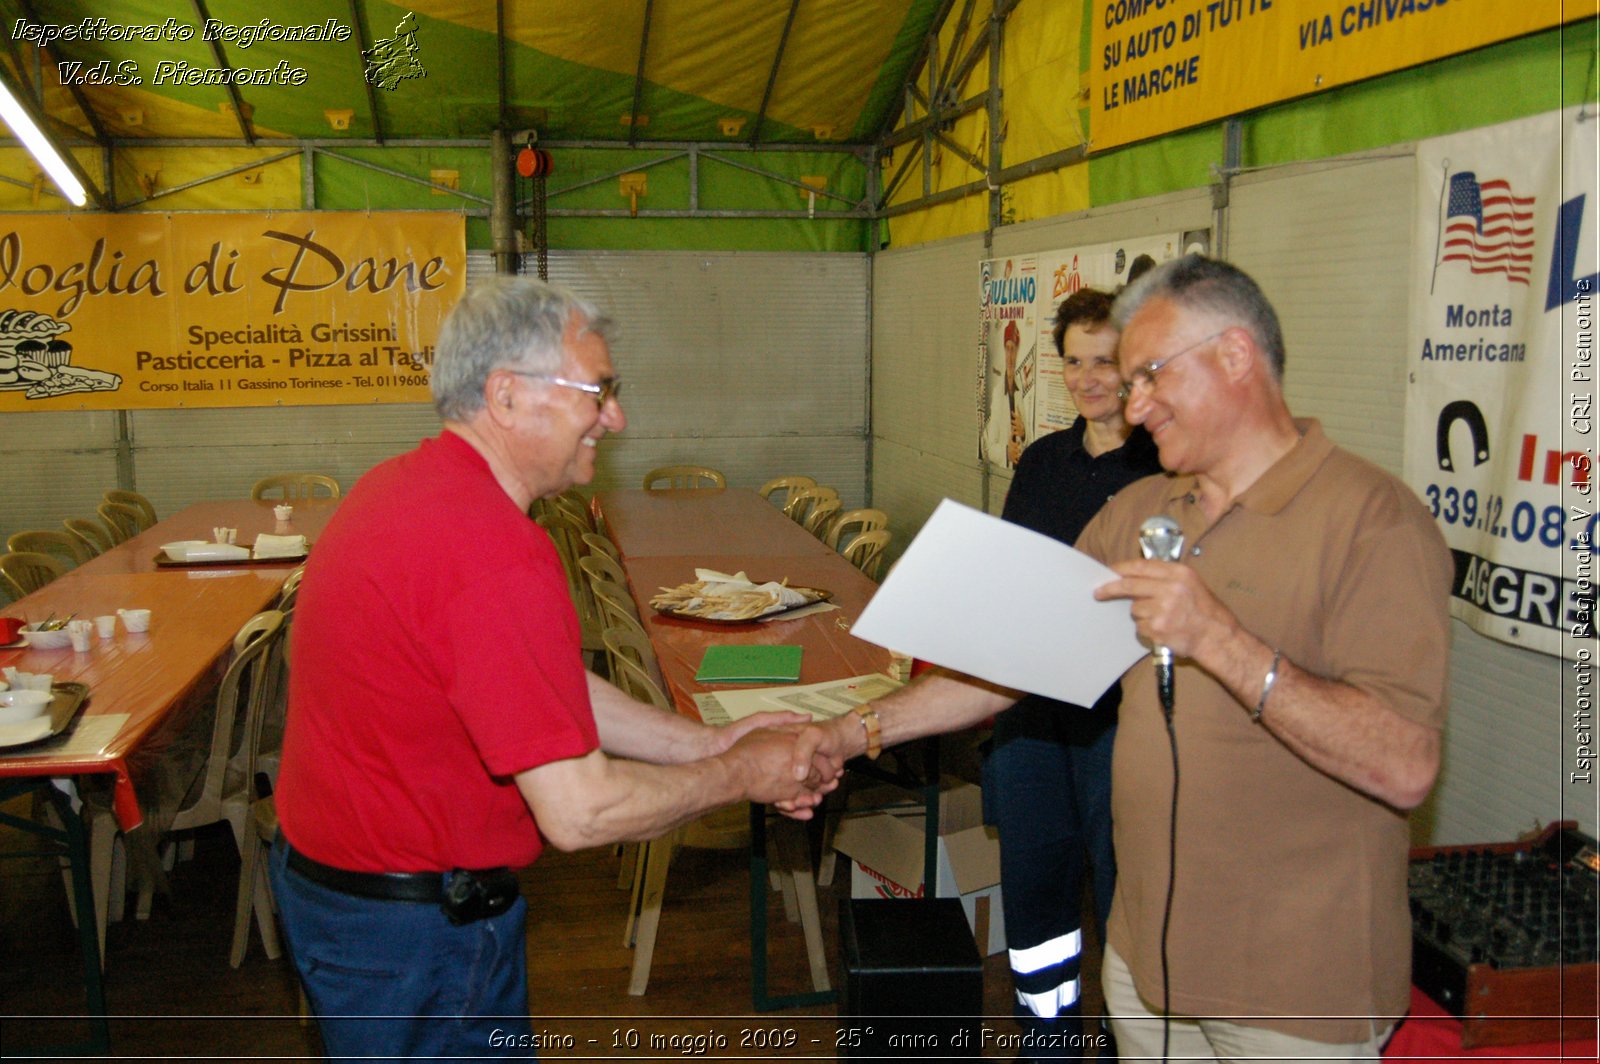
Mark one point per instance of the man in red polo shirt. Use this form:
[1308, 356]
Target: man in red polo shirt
[441, 726]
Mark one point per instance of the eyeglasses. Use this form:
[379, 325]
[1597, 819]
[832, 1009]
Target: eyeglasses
[603, 389]
[1145, 376]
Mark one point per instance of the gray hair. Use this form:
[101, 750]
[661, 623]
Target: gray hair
[1209, 286]
[505, 322]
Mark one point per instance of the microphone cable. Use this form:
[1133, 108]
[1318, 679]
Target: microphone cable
[1172, 878]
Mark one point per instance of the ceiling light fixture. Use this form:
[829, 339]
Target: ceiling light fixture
[22, 124]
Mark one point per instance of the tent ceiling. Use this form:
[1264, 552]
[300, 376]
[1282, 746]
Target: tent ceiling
[759, 72]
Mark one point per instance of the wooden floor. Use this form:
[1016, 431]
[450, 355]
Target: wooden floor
[172, 994]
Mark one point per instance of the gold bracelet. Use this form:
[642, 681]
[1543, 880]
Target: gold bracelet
[869, 721]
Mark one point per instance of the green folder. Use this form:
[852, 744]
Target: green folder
[739, 663]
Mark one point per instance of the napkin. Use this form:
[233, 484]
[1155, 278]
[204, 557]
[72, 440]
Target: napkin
[210, 552]
[269, 546]
[724, 583]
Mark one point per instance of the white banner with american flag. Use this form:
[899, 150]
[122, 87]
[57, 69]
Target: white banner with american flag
[1500, 373]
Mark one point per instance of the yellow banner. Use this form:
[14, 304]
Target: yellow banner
[1161, 65]
[124, 311]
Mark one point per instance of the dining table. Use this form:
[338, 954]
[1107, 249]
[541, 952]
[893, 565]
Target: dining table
[143, 688]
[662, 537]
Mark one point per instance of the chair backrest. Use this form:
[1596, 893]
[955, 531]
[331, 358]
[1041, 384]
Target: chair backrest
[820, 519]
[61, 544]
[290, 589]
[245, 686]
[801, 501]
[91, 532]
[295, 486]
[24, 572]
[865, 552]
[600, 543]
[850, 522]
[121, 519]
[576, 507]
[632, 660]
[615, 604]
[788, 485]
[602, 567]
[565, 533]
[147, 512]
[684, 476]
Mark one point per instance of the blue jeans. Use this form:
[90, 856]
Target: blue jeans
[1047, 788]
[394, 979]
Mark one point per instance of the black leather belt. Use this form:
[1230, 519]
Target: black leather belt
[425, 887]
[463, 895]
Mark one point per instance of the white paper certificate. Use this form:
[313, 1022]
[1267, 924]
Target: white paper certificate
[1005, 604]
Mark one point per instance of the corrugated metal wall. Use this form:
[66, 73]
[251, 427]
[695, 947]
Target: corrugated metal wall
[1331, 244]
[753, 363]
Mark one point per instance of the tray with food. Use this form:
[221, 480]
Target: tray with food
[721, 598]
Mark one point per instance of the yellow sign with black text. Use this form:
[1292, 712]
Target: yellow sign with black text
[1162, 65]
[125, 311]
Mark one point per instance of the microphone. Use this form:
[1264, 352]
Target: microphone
[1161, 540]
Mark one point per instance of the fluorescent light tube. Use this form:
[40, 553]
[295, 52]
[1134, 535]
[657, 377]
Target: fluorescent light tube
[39, 145]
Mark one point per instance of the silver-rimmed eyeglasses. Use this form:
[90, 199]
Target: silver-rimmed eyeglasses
[601, 390]
[1144, 378]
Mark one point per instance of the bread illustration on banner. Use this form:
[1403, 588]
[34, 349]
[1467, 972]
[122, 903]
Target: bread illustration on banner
[34, 359]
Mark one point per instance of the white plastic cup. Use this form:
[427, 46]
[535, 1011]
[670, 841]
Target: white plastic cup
[283, 511]
[135, 620]
[106, 625]
[79, 632]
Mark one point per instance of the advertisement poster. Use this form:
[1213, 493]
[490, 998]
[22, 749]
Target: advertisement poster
[143, 311]
[1499, 404]
[1161, 65]
[1022, 394]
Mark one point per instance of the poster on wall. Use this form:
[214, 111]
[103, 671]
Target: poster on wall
[1022, 392]
[141, 311]
[1499, 421]
[1163, 65]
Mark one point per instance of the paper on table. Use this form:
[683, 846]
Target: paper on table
[824, 701]
[1005, 604]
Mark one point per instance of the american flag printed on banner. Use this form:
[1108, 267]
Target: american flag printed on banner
[1488, 227]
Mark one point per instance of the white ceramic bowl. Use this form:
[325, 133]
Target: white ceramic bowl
[54, 639]
[19, 707]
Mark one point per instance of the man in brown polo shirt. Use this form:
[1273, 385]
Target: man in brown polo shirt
[1309, 619]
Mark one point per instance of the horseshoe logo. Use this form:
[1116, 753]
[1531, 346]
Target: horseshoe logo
[1462, 410]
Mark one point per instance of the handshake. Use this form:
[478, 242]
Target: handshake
[786, 760]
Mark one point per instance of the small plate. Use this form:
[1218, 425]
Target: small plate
[69, 698]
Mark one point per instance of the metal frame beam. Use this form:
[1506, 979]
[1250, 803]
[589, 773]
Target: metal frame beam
[638, 76]
[239, 105]
[100, 134]
[363, 42]
[241, 168]
[772, 76]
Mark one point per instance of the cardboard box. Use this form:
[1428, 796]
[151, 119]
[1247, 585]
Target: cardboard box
[886, 857]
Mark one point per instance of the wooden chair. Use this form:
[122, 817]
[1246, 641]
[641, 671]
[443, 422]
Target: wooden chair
[801, 501]
[147, 512]
[24, 572]
[854, 522]
[292, 486]
[726, 829]
[865, 552]
[787, 485]
[63, 545]
[122, 519]
[91, 532]
[820, 519]
[684, 476]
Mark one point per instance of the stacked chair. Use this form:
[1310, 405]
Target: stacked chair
[147, 512]
[123, 520]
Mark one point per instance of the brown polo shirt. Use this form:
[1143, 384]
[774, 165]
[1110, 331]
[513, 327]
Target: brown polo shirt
[1290, 909]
